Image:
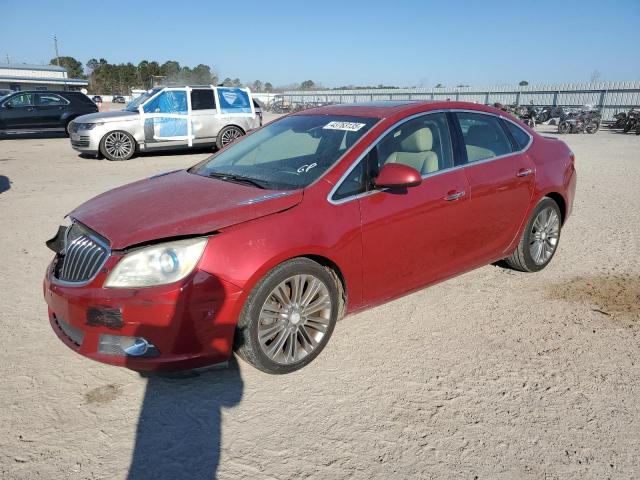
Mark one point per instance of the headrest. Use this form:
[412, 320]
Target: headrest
[419, 141]
[481, 135]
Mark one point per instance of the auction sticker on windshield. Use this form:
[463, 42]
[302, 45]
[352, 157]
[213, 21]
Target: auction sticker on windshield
[348, 126]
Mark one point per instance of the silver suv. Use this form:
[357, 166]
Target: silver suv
[165, 118]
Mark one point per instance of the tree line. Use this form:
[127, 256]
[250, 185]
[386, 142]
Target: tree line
[110, 78]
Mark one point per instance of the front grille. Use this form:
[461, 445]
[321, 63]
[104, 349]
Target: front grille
[83, 255]
[83, 142]
[72, 333]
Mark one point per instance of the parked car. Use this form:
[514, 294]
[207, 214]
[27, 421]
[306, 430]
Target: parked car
[43, 109]
[263, 246]
[118, 99]
[96, 99]
[162, 118]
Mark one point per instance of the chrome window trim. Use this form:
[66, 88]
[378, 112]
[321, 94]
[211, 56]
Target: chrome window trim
[100, 242]
[426, 175]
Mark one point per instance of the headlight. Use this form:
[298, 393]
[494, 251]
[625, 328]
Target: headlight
[89, 126]
[157, 265]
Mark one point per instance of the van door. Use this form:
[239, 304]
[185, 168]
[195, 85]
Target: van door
[166, 118]
[203, 115]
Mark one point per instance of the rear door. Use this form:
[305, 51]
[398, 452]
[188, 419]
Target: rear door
[19, 111]
[50, 108]
[501, 179]
[203, 114]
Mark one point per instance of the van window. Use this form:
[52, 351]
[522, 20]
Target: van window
[202, 100]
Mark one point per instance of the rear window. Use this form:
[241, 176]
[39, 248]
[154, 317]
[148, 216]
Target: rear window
[202, 100]
[521, 137]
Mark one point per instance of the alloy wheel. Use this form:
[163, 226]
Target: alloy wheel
[294, 318]
[545, 233]
[118, 145]
[229, 135]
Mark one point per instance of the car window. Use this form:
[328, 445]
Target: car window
[423, 143]
[50, 99]
[233, 100]
[353, 183]
[483, 136]
[520, 136]
[169, 101]
[202, 100]
[21, 100]
[290, 152]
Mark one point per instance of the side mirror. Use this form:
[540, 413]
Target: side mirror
[397, 175]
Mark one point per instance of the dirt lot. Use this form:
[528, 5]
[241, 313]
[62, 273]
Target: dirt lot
[492, 375]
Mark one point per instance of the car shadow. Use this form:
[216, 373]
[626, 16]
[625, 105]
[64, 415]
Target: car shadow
[31, 134]
[5, 183]
[179, 428]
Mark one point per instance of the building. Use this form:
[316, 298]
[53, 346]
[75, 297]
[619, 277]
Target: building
[21, 76]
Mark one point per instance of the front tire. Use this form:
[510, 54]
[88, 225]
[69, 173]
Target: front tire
[564, 127]
[288, 317]
[117, 146]
[627, 127]
[593, 127]
[540, 238]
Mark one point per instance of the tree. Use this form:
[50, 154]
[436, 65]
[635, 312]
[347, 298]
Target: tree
[171, 70]
[307, 84]
[268, 87]
[227, 82]
[523, 83]
[256, 86]
[73, 66]
[236, 82]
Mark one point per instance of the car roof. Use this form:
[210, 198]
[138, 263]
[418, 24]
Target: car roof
[57, 92]
[383, 109]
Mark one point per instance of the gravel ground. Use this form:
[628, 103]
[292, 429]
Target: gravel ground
[491, 375]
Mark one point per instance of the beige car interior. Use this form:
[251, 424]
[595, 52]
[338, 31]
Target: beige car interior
[417, 151]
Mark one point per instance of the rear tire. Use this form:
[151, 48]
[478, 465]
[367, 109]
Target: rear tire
[627, 127]
[117, 146]
[227, 135]
[288, 317]
[592, 128]
[539, 240]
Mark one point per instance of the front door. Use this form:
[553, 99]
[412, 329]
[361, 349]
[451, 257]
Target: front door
[411, 237]
[166, 119]
[19, 111]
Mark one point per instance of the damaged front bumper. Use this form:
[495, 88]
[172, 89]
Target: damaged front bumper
[188, 324]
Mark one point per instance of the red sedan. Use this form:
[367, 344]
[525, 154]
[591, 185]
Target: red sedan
[262, 247]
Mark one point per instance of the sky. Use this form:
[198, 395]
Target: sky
[335, 43]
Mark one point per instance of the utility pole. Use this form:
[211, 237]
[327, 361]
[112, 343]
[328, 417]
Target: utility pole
[55, 44]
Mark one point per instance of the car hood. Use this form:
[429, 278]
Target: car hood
[107, 117]
[176, 204]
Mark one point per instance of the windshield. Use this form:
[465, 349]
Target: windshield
[136, 102]
[289, 153]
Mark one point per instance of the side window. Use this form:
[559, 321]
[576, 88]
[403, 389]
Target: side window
[202, 100]
[44, 99]
[169, 101]
[423, 143]
[483, 136]
[353, 184]
[22, 100]
[521, 137]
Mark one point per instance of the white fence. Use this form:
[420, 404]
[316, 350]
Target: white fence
[609, 97]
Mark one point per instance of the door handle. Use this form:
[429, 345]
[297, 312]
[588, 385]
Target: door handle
[524, 172]
[454, 196]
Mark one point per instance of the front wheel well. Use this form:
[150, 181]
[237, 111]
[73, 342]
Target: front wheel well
[559, 199]
[338, 276]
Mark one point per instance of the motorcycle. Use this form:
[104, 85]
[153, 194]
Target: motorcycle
[633, 120]
[529, 116]
[585, 121]
[620, 119]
